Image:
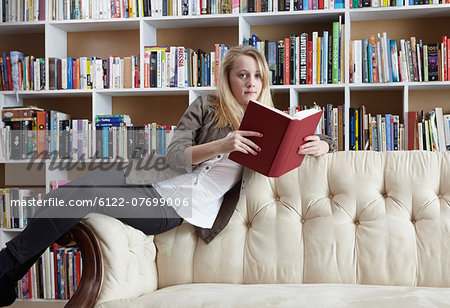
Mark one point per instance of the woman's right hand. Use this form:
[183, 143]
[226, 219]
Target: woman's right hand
[237, 141]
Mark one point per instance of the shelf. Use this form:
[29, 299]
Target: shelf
[49, 93]
[18, 161]
[320, 87]
[431, 85]
[294, 17]
[402, 12]
[394, 86]
[11, 229]
[22, 27]
[145, 92]
[86, 25]
[170, 22]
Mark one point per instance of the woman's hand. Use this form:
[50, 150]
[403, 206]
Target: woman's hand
[314, 146]
[237, 141]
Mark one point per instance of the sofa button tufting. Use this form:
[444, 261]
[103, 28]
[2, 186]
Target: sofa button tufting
[413, 221]
[441, 196]
[249, 225]
[303, 220]
[357, 222]
[331, 196]
[277, 198]
[385, 196]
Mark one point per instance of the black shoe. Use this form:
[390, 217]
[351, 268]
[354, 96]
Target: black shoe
[8, 293]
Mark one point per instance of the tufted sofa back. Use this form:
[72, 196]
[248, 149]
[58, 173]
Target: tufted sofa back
[347, 217]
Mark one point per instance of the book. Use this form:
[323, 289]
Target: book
[282, 137]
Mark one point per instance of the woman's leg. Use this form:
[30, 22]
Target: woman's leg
[102, 186]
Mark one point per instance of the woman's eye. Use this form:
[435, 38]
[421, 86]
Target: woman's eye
[258, 76]
[243, 75]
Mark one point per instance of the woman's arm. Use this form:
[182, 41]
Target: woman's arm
[234, 141]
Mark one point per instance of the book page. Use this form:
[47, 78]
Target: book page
[305, 113]
[273, 109]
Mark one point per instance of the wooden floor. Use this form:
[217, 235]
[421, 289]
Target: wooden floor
[38, 304]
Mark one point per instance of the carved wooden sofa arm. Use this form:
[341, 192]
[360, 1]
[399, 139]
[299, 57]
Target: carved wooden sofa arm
[91, 277]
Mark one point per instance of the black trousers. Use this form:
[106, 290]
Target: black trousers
[136, 205]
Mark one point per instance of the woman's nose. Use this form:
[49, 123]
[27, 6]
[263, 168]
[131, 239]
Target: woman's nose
[251, 81]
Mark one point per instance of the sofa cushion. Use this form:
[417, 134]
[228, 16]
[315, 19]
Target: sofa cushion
[289, 295]
[347, 217]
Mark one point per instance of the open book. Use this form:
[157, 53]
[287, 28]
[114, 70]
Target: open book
[282, 136]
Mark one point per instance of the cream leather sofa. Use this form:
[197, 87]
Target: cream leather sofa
[349, 229]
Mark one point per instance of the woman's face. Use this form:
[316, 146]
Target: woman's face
[245, 80]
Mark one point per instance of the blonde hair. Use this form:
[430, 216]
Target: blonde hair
[227, 111]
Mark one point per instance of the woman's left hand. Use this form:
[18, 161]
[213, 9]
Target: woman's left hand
[314, 146]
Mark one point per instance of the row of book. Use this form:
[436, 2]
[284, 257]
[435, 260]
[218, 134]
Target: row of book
[18, 205]
[31, 132]
[305, 59]
[181, 67]
[94, 73]
[21, 72]
[13, 213]
[105, 9]
[384, 3]
[380, 59]
[17, 11]
[330, 124]
[428, 131]
[55, 275]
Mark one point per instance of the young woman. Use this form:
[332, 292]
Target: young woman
[199, 172]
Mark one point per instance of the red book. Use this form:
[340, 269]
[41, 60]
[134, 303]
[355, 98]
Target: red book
[321, 4]
[41, 127]
[309, 67]
[41, 10]
[287, 61]
[282, 136]
[448, 59]
[8, 71]
[76, 74]
[413, 136]
[216, 64]
[78, 267]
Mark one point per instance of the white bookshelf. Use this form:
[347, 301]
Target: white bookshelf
[56, 40]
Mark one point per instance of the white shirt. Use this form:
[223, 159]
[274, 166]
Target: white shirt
[197, 196]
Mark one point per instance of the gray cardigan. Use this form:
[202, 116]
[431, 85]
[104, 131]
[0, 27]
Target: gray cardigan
[196, 126]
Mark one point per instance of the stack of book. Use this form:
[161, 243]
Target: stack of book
[17, 11]
[106, 9]
[380, 59]
[428, 131]
[181, 67]
[20, 72]
[31, 132]
[305, 59]
[55, 275]
[17, 206]
[383, 3]
[330, 124]
[93, 73]
[305, 5]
